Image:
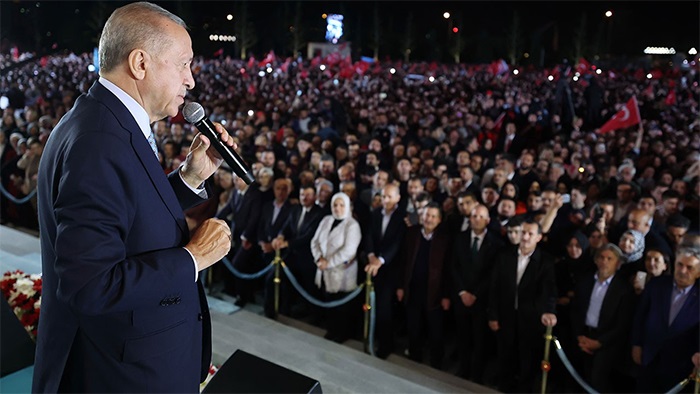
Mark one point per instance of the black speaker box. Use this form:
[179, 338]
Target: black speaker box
[246, 373]
[17, 347]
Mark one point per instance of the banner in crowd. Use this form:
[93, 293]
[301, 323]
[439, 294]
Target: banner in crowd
[626, 117]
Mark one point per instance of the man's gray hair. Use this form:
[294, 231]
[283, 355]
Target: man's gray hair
[613, 248]
[693, 251]
[135, 25]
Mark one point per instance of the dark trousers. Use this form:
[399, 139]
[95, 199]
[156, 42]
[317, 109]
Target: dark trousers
[473, 338]
[384, 327]
[247, 261]
[420, 319]
[519, 357]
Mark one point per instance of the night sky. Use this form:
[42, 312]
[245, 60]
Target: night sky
[484, 26]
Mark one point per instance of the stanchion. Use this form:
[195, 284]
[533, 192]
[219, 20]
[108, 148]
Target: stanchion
[277, 281]
[366, 308]
[546, 366]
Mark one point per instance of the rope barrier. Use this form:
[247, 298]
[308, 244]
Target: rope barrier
[246, 276]
[565, 360]
[368, 307]
[314, 301]
[16, 200]
[570, 368]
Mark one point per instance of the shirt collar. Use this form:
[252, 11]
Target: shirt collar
[682, 291]
[428, 237]
[385, 213]
[526, 255]
[135, 109]
[605, 282]
[482, 236]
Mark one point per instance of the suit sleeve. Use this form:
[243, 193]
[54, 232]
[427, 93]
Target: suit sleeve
[640, 316]
[548, 289]
[251, 227]
[495, 288]
[391, 249]
[623, 318]
[186, 197]
[455, 265]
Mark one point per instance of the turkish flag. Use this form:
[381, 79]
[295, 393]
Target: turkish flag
[583, 67]
[626, 117]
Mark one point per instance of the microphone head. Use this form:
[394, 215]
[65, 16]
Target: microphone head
[193, 112]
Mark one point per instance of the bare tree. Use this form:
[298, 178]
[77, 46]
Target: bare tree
[297, 31]
[408, 38]
[579, 37]
[377, 33]
[514, 41]
[245, 30]
[457, 40]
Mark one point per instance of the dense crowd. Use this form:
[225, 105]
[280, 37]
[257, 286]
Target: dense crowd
[437, 180]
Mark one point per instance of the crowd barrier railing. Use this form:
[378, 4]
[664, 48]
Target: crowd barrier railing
[546, 367]
[279, 266]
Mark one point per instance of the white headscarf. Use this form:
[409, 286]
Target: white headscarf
[346, 199]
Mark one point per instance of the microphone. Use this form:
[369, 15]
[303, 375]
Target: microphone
[194, 113]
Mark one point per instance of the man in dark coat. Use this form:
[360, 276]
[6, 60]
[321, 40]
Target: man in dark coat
[522, 299]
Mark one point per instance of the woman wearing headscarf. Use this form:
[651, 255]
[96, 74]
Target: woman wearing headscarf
[632, 246]
[576, 265]
[334, 247]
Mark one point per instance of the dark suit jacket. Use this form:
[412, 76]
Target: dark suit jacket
[244, 220]
[438, 268]
[268, 230]
[299, 238]
[386, 246]
[674, 345]
[615, 319]
[536, 292]
[474, 275]
[120, 310]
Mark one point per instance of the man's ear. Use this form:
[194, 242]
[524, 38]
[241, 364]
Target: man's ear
[138, 62]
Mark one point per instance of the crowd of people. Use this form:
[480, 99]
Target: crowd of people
[485, 207]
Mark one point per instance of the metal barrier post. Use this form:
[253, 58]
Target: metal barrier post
[277, 280]
[366, 308]
[546, 366]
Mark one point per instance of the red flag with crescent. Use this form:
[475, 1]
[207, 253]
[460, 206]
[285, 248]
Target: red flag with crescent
[626, 117]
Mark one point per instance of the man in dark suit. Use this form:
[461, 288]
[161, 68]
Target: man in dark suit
[383, 239]
[243, 213]
[466, 201]
[522, 298]
[424, 284]
[666, 325]
[294, 241]
[473, 254]
[273, 218]
[123, 309]
[602, 313]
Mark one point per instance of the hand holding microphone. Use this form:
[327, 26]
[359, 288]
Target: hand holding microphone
[194, 113]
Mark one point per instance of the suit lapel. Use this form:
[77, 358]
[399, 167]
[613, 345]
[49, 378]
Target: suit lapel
[690, 307]
[531, 269]
[143, 152]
